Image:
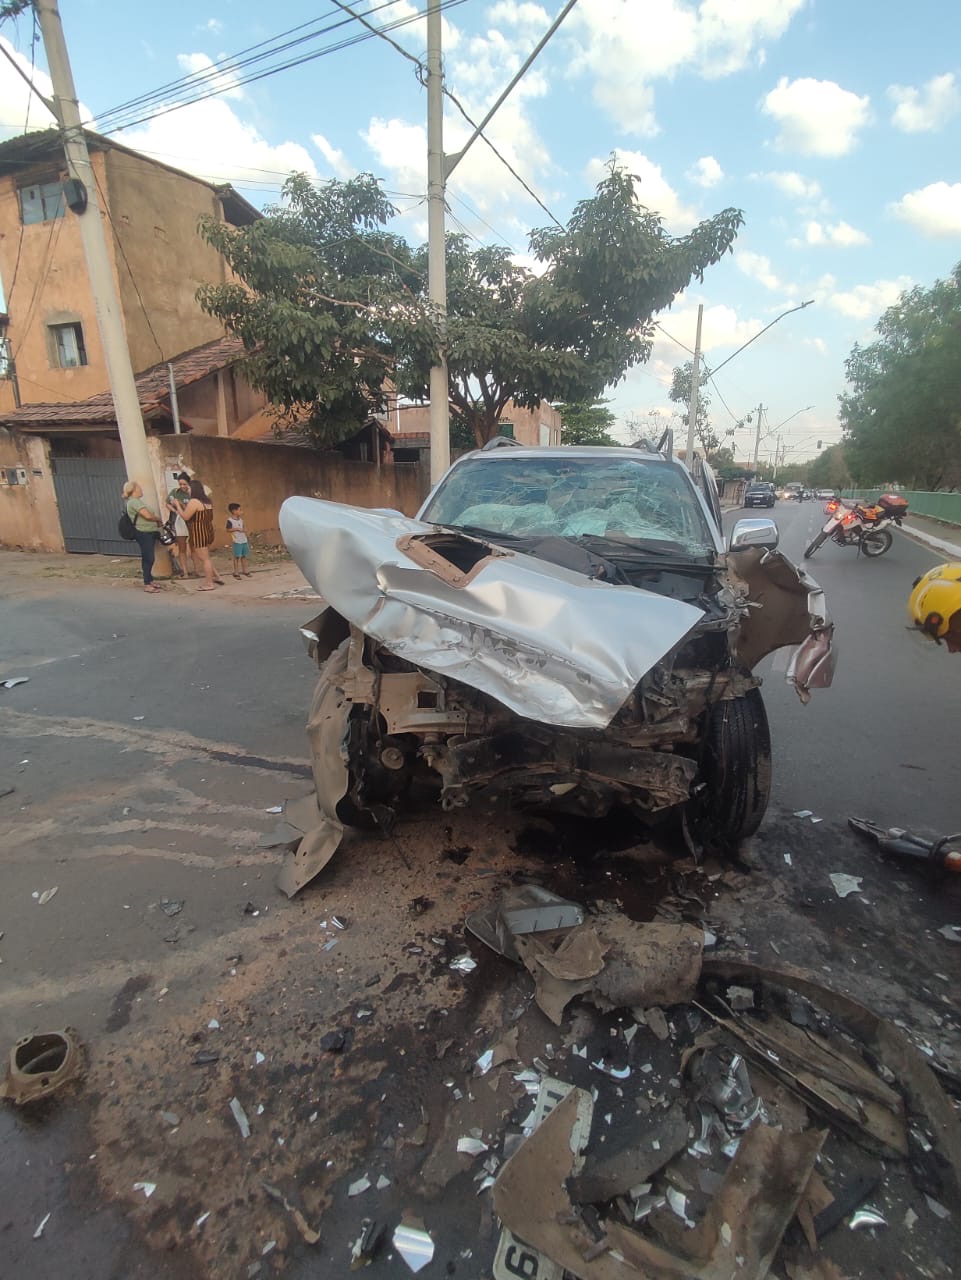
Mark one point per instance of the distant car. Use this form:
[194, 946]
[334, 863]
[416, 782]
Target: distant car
[827, 493]
[759, 495]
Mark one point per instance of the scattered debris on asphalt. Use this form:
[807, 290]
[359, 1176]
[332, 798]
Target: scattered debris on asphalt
[951, 931]
[240, 1115]
[172, 906]
[414, 1245]
[40, 1226]
[41, 1064]
[11, 682]
[845, 884]
[528, 908]
[364, 1249]
[148, 1188]
[361, 1185]
[939, 854]
[309, 1235]
[205, 1057]
[44, 896]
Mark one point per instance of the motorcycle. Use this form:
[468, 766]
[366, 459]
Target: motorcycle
[862, 526]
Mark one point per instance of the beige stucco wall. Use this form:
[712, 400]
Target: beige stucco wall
[155, 213]
[29, 516]
[261, 476]
[527, 422]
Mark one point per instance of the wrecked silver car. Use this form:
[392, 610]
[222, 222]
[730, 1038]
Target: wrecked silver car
[557, 628]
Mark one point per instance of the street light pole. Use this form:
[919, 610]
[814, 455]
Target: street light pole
[758, 334]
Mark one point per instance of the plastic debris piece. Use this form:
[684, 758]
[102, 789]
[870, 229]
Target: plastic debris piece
[275, 808]
[213, 1025]
[866, 1218]
[172, 906]
[259, 1058]
[171, 1118]
[41, 1064]
[616, 1073]
[951, 931]
[804, 813]
[484, 1062]
[11, 682]
[471, 1146]
[44, 898]
[240, 1115]
[148, 1188]
[937, 1208]
[139, 717]
[329, 944]
[463, 964]
[269, 1247]
[303, 1226]
[789, 860]
[740, 998]
[910, 1218]
[845, 884]
[360, 1186]
[338, 922]
[382, 1183]
[365, 1246]
[202, 1219]
[40, 1226]
[414, 1245]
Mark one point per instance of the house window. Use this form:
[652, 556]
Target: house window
[506, 429]
[41, 203]
[69, 351]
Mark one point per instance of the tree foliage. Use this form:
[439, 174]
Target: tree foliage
[902, 412]
[830, 469]
[588, 424]
[330, 304]
[680, 393]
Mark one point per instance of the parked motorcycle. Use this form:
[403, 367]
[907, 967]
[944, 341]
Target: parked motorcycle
[862, 526]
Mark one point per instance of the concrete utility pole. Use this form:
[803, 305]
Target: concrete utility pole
[66, 108]
[436, 244]
[757, 435]
[695, 390]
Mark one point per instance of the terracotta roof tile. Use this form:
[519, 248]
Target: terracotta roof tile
[153, 390]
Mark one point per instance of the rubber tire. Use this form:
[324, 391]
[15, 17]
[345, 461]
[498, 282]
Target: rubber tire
[822, 536]
[736, 772]
[883, 535]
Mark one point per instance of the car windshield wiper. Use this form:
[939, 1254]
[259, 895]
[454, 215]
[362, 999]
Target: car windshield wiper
[477, 531]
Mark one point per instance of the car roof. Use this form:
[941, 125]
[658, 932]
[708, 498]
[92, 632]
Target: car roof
[506, 452]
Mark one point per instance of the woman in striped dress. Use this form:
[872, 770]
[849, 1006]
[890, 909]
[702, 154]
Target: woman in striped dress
[199, 517]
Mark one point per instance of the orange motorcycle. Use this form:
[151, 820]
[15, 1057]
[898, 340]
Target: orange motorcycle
[861, 525]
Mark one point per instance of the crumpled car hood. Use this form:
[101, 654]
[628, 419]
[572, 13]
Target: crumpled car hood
[548, 643]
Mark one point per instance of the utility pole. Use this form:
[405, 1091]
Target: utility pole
[133, 438]
[757, 435]
[436, 244]
[695, 391]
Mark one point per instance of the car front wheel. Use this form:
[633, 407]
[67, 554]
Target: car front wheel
[735, 775]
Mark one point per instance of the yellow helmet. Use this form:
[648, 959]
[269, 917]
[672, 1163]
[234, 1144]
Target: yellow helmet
[935, 605]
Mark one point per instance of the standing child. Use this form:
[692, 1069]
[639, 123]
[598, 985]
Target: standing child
[241, 547]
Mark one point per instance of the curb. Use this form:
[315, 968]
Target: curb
[949, 549]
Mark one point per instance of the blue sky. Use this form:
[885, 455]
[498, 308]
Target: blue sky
[835, 127]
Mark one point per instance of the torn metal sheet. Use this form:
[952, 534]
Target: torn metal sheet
[642, 964]
[886, 1042]
[320, 841]
[738, 1235]
[486, 626]
[41, 1064]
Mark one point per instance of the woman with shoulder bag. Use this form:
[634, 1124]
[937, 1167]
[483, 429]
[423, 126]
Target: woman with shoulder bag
[198, 515]
[146, 527]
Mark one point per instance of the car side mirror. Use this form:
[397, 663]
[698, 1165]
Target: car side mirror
[753, 533]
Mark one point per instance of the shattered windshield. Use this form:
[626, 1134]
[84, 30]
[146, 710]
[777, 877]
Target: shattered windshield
[624, 500]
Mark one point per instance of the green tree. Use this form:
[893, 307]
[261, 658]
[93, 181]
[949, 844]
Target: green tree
[330, 305]
[902, 412]
[680, 393]
[587, 424]
[830, 470]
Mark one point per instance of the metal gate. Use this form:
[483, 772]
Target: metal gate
[88, 494]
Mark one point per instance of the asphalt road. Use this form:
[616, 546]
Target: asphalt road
[880, 743]
[152, 738]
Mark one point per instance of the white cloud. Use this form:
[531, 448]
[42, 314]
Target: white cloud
[931, 107]
[816, 117]
[868, 301]
[204, 76]
[14, 95]
[934, 210]
[210, 140]
[626, 51]
[653, 189]
[841, 236]
[757, 267]
[818, 344]
[214, 26]
[792, 184]
[706, 172]
[336, 160]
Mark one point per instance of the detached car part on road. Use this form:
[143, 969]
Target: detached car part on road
[559, 628]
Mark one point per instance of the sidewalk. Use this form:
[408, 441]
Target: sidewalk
[944, 539]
